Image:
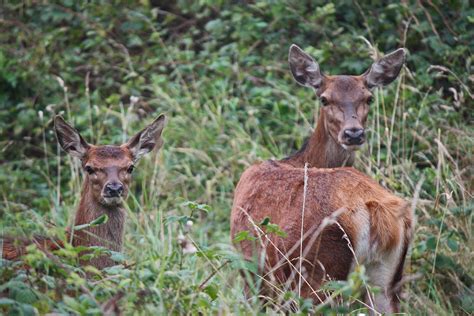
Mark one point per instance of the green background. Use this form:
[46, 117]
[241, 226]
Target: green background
[219, 71]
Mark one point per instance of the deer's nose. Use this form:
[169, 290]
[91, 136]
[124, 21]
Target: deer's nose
[113, 189]
[355, 136]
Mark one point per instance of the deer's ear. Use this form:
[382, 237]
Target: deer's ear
[304, 68]
[69, 138]
[147, 139]
[386, 69]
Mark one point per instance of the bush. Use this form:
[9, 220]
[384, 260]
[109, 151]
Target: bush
[219, 70]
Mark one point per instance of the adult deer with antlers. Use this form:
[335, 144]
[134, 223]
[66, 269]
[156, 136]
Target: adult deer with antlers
[334, 219]
[345, 100]
[107, 176]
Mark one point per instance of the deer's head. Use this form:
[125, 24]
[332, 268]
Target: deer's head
[108, 169]
[345, 99]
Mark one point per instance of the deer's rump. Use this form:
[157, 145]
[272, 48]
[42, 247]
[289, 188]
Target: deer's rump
[14, 248]
[368, 221]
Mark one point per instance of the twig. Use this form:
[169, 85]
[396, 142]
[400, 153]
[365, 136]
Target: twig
[305, 189]
[201, 286]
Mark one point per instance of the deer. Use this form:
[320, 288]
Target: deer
[333, 218]
[345, 102]
[107, 176]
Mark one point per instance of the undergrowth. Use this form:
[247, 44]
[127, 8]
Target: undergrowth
[219, 72]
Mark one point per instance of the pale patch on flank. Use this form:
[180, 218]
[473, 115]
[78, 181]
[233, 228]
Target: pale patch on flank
[381, 273]
[361, 220]
[380, 265]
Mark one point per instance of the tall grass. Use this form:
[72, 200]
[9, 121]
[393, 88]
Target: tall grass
[226, 111]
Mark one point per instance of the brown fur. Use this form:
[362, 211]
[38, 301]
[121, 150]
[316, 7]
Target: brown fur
[103, 165]
[347, 108]
[109, 234]
[344, 107]
[13, 248]
[114, 161]
[275, 190]
[374, 221]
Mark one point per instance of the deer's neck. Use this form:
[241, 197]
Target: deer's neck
[109, 234]
[321, 150]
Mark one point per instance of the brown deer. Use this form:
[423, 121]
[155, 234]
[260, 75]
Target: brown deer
[340, 129]
[108, 173]
[335, 219]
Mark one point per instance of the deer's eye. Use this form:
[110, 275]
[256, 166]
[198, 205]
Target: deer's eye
[324, 101]
[89, 169]
[130, 169]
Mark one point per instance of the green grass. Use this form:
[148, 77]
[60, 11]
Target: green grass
[220, 74]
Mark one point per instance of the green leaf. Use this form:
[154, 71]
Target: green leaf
[208, 253]
[211, 290]
[275, 229]
[453, 245]
[117, 256]
[243, 235]
[6, 301]
[444, 262]
[22, 293]
[431, 243]
[334, 285]
[27, 310]
[239, 263]
[195, 206]
[102, 219]
[265, 221]
[173, 219]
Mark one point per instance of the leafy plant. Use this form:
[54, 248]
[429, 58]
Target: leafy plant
[218, 69]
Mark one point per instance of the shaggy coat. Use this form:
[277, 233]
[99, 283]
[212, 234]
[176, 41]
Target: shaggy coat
[370, 226]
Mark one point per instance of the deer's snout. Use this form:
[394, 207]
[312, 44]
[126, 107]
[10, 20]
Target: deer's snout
[113, 189]
[354, 136]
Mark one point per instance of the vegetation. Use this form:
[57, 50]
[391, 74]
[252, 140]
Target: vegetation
[219, 71]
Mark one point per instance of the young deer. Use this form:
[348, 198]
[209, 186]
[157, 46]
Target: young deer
[108, 173]
[345, 218]
[345, 100]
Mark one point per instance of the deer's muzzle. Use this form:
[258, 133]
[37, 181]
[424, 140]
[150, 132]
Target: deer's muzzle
[113, 189]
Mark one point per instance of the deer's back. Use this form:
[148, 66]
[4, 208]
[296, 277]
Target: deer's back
[371, 220]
